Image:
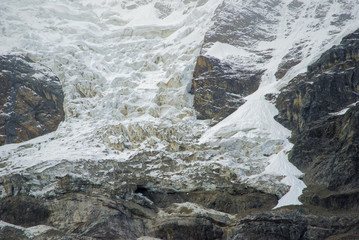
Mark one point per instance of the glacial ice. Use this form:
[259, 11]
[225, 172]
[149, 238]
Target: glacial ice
[126, 69]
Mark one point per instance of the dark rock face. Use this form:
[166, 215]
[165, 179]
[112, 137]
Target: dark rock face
[333, 200]
[328, 152]
[95, 217]
[10, 233]
[31, 100]
[85, 210]
[330, 85]
[236, 200]
[295, 224]
[23, 210]
[326, 143]
[219, 89]
[81, 209]
[219, 85]
[190, 228]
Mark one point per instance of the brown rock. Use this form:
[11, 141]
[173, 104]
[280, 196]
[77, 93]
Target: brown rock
[31, 100]
[219, 89]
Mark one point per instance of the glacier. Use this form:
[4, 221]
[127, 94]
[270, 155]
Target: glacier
[126, 70]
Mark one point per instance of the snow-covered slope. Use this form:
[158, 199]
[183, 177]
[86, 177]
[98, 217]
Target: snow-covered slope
[274, 36]
[121, 63]
[126, 69]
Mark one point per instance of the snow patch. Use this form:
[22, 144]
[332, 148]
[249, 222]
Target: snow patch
[223, 50]
[343, 111]
[296, 189]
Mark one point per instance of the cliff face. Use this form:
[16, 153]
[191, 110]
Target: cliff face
[220, 80]
[80, 209]
[320, 107]
[329, 86]
[31, 100]
[219, 89]
[185, 120]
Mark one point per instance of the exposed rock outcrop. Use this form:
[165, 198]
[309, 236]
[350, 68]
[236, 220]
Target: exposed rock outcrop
[23, 210]
[239, 198]
[296, 224]
[330, 85]
[31, 99]
[219, 88]
[320, 108]
[219, 85]
[89, 211]
[82, 208]
[178, 187]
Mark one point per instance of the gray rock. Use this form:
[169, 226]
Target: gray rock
[326, 142]
[219, 88]
[295, 224]
[23, 210]
[31, 99]
[330, 85]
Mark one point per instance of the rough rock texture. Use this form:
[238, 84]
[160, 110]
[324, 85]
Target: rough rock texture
[325, 133]
[296, 224]
[219, 88]
[110, 199]
[330, 85]
[31, 100]
[78, 209]
[232, 200]
[82, 208]
[23, 210]
[219, 85]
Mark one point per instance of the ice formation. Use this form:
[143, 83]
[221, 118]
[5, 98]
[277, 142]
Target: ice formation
[126, 69]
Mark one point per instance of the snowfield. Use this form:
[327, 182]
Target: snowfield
[126, 69]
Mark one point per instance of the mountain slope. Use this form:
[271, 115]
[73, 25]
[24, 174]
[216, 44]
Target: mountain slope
[156, 159]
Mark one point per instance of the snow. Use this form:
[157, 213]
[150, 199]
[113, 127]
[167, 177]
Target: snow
[254, 119]
[223, 50]
[279, 165]
[117, 68]
[30, 232]
[343, 111]
[291, 198]
[126, 68]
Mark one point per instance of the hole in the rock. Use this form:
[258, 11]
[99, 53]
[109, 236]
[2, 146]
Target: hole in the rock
[142, 189]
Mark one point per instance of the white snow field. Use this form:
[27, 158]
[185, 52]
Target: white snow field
[126, 68]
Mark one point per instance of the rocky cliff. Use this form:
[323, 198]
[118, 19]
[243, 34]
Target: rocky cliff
[31, 100]
[184, 120]
[219, 89]
[320, 107]
[80, 209]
